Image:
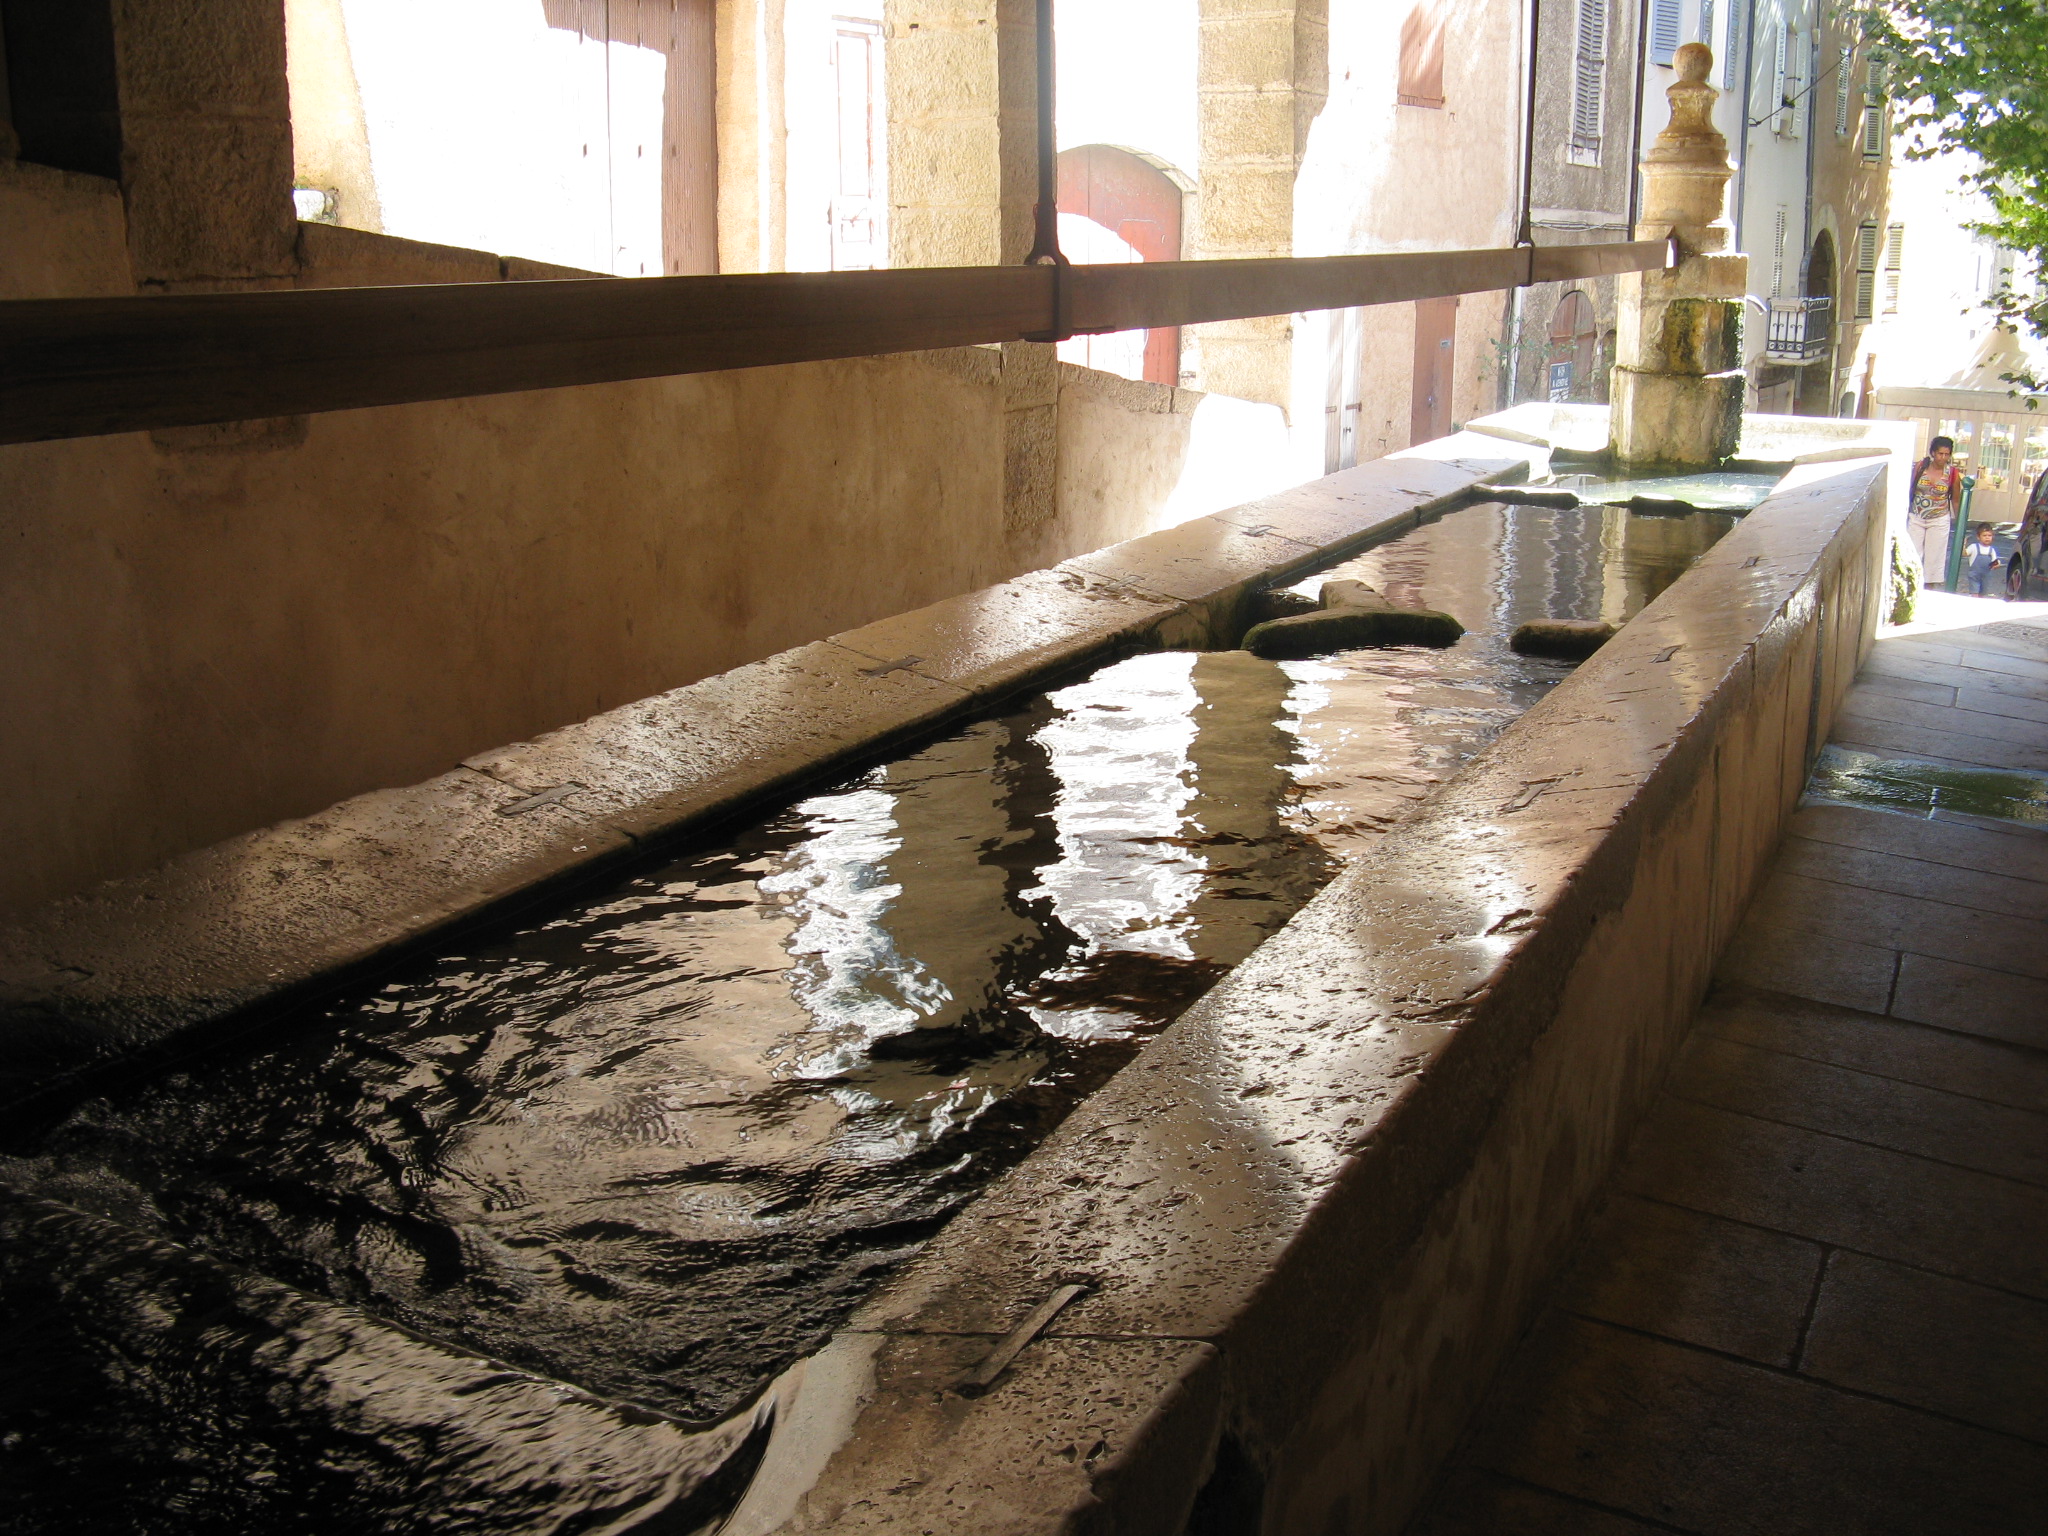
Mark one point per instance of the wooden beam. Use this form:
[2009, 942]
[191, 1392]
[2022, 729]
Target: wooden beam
[81, 367]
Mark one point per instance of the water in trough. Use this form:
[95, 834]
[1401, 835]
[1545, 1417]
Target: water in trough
[488, 1247]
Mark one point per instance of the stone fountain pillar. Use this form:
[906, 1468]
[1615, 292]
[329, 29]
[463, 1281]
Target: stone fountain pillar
[1677, 385]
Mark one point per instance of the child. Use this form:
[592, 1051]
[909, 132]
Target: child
[1980, 560]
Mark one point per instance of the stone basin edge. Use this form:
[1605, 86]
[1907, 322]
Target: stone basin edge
[1315, 1212]
[220, 939]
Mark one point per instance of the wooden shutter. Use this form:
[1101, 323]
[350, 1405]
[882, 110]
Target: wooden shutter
[1778, 255]
[1894, 253]
[1781, 51]
[1866, 269]
[1422, 57]
[1845, 65]
[1731, 58]
[1873, 131]
[1663, 30]
[1589, 82]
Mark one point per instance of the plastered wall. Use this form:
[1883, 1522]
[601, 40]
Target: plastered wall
[213, 629]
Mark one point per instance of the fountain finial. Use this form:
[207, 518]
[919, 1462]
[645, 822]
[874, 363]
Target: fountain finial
[1686, 172]
[1677, 386]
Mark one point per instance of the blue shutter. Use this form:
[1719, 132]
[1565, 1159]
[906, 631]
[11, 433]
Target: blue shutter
[1663, 30]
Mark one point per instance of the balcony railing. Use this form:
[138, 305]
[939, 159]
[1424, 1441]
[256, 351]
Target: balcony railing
[1801, 330]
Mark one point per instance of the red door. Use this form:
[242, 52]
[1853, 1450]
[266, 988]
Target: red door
[1141, 205]
[1436, 329]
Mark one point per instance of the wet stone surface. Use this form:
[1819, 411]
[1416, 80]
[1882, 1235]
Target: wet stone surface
[659, 1144]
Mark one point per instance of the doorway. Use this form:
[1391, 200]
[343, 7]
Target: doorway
[1436, 330]
[1816, 392]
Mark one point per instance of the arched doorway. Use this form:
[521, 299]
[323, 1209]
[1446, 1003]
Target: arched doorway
[1133, 202]
[1816, 393]
[1573, 356]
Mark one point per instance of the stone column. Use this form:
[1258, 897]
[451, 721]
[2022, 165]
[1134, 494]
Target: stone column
[963, 131]
[206, 143]
[963, 180]
[1264, 75]
[1677, 387]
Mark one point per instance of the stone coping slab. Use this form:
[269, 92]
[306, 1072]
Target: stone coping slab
[1286, 1174]
[231, 933]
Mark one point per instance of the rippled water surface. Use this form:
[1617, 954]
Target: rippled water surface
[658, 1144]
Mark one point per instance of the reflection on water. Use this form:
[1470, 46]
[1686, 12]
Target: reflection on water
[1717, 490]
[659, 1144]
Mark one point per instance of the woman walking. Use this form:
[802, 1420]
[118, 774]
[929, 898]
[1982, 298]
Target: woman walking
[1937, 496]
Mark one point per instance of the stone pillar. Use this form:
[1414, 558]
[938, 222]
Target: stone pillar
[963, 131]
[206, 143]
[1677, 385]
[963, 181]
[1264, 75]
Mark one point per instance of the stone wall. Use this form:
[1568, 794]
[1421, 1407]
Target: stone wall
[218, 627]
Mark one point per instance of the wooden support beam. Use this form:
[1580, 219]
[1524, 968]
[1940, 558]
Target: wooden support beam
[82, 367]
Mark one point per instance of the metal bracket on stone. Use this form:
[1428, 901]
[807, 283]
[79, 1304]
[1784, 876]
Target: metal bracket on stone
[901, 664]
[554, 796]
[982, 1377]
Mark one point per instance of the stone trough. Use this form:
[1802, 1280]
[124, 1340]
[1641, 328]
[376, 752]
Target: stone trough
[1257, 1281]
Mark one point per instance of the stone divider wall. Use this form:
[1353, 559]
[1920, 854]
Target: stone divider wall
[1316, 1211]
[226, 936]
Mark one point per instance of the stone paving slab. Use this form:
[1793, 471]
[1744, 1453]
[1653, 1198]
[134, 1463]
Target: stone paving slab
[1987, 845]
[1872, 681]
[1707, 1444]
[1868, 704]
[1700, 1279]
[1482, 1503]
[1949, 746]
[1834, 908]
[1989, 1070]
[2008, 706]
[1901, 874]
[1971, 998]
[1846, 1194]
[1862, 1107]
[1840, 971]
[1913, 669]
[1929, 1341]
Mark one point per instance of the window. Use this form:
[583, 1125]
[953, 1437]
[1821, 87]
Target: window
[1422, 58]
[1873, 131]
[1894, 251]
[1866, 268]
[1844, 67]
[2034, 454]
[1995, 463]
[1663, 30]
[1791, 102]
[1778, 255]
[1589, 83]
[1964, 435]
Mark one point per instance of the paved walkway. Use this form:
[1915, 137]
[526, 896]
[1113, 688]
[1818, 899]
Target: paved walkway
[1816, 1296]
